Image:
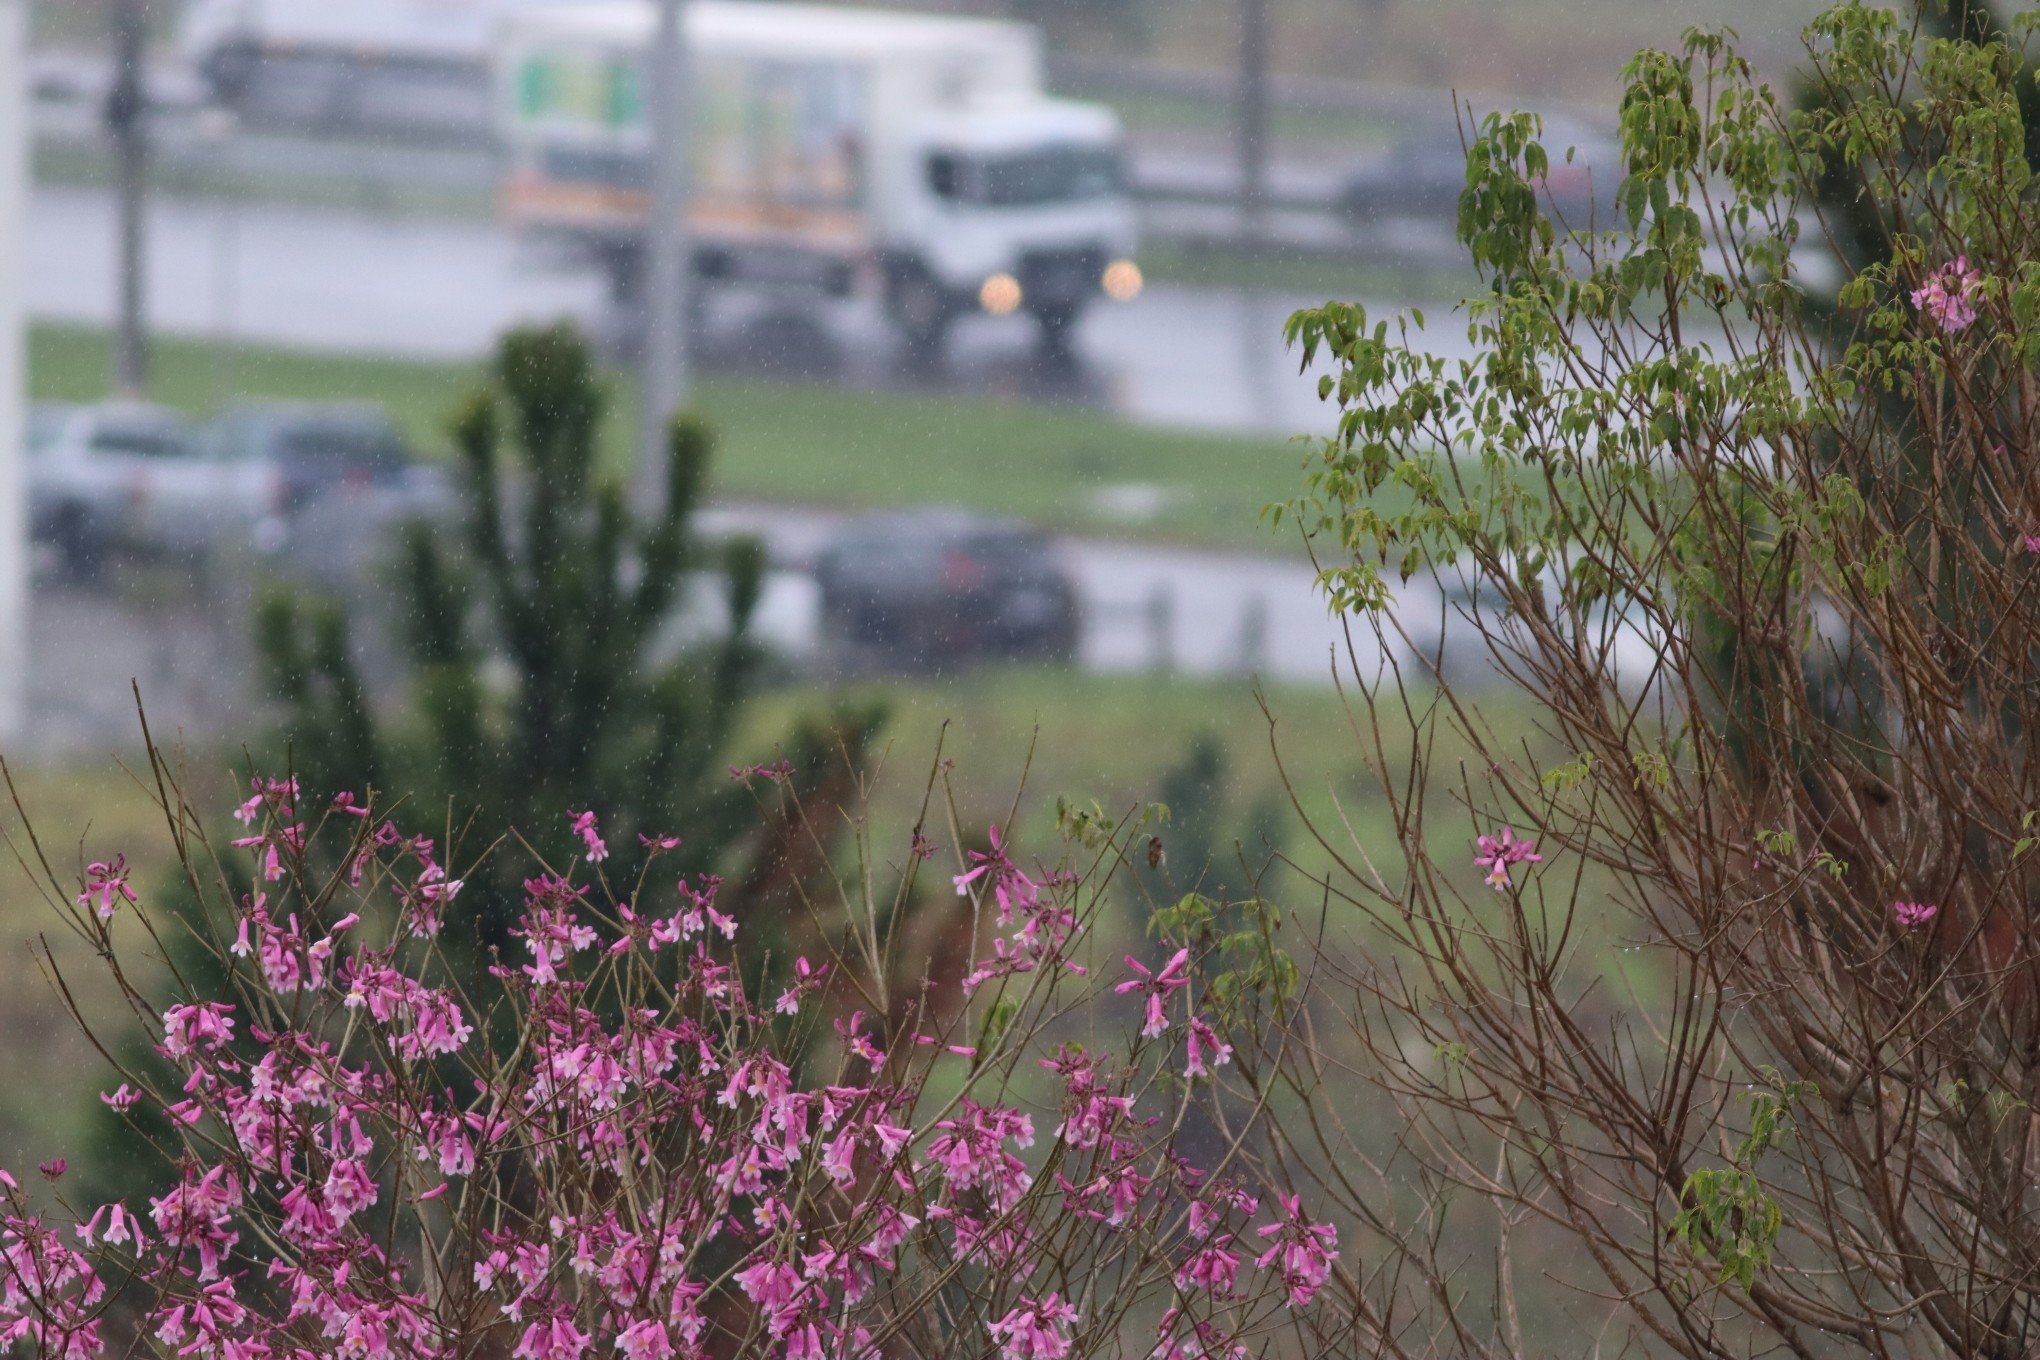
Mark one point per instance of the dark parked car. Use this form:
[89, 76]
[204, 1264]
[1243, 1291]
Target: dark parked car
[921, 589]
[317, 448]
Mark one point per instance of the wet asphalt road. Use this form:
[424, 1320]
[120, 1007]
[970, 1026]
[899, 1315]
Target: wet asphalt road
[355, 279]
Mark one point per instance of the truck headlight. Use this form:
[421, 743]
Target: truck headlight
[1001, 295]
[1123, 281]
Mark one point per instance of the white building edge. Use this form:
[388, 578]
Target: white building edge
[13, 369]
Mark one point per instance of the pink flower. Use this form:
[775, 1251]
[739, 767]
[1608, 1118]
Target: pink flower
[584, 827]
[1035, 1330]
[1948, 297]
[1157, 987]
[1214, 1269]
[645, 1339]
[1303, 1251]
[555, 1339]
[106, 887]
[1204, 1038]
[348, 1189]
[1497, 853]
[1091, 1110]
[769, 1284]
[189, 1028]
[1913, 915]
[806, 977]
[968, 1149]
[120, 1099]
[120, 1226]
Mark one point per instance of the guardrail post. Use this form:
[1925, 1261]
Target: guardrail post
[1161, 621]
[1254, 627]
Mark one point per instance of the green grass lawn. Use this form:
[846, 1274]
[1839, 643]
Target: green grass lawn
[1085, 737]
[782, 441]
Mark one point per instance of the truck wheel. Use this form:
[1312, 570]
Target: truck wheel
[624, 269]
[1057, 321]
[921, 308]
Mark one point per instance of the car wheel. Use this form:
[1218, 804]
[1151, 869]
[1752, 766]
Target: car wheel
[78, 548]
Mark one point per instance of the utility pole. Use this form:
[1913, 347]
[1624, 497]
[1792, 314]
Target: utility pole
[127, 109]
[1253, 117]
[13, 368]
[670, 279]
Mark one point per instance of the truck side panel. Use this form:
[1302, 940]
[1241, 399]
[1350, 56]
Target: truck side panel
[778, 155]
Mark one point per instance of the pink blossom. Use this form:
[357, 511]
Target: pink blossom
[348, 1189]
[1091, 1111]
[120, 1227]
[554, 1339]
[769, 1284]
[970, 1151]
[120, 1099]
[1913, 915]
[1302, 1251]
[584, 827]
[645, 1339]
[1950, 294]
[806, 978]
[1214, 1269]
[1204, 1039]
[204, 1025]
[1035, 1330]
[106, 887]
[1497, 853]
[1157, 987]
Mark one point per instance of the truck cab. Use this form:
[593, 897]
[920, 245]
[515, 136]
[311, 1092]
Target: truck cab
[1012, 209]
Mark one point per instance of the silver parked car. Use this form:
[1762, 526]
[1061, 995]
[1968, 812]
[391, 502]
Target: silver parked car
[135, 477]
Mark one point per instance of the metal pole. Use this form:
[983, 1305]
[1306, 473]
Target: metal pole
[1253, 116]
[126, 120]
[667, 304]
[13, 368]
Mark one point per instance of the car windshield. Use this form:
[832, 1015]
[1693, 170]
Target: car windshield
[1005, 547]
[141, 440]
[1054, 174]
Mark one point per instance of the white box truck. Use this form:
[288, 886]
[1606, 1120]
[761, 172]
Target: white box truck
[836, 149]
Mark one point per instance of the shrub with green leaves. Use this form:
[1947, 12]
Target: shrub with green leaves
[1762, 548]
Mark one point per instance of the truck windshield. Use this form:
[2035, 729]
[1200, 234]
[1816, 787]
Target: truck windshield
[1052, 174]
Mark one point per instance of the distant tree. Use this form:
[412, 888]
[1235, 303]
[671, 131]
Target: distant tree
[539, 641]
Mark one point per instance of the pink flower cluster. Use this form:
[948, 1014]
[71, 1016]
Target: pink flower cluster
[1040, 921]
[1497, 854]
[1913, 915]
[1949, 295]
[612, 1145]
